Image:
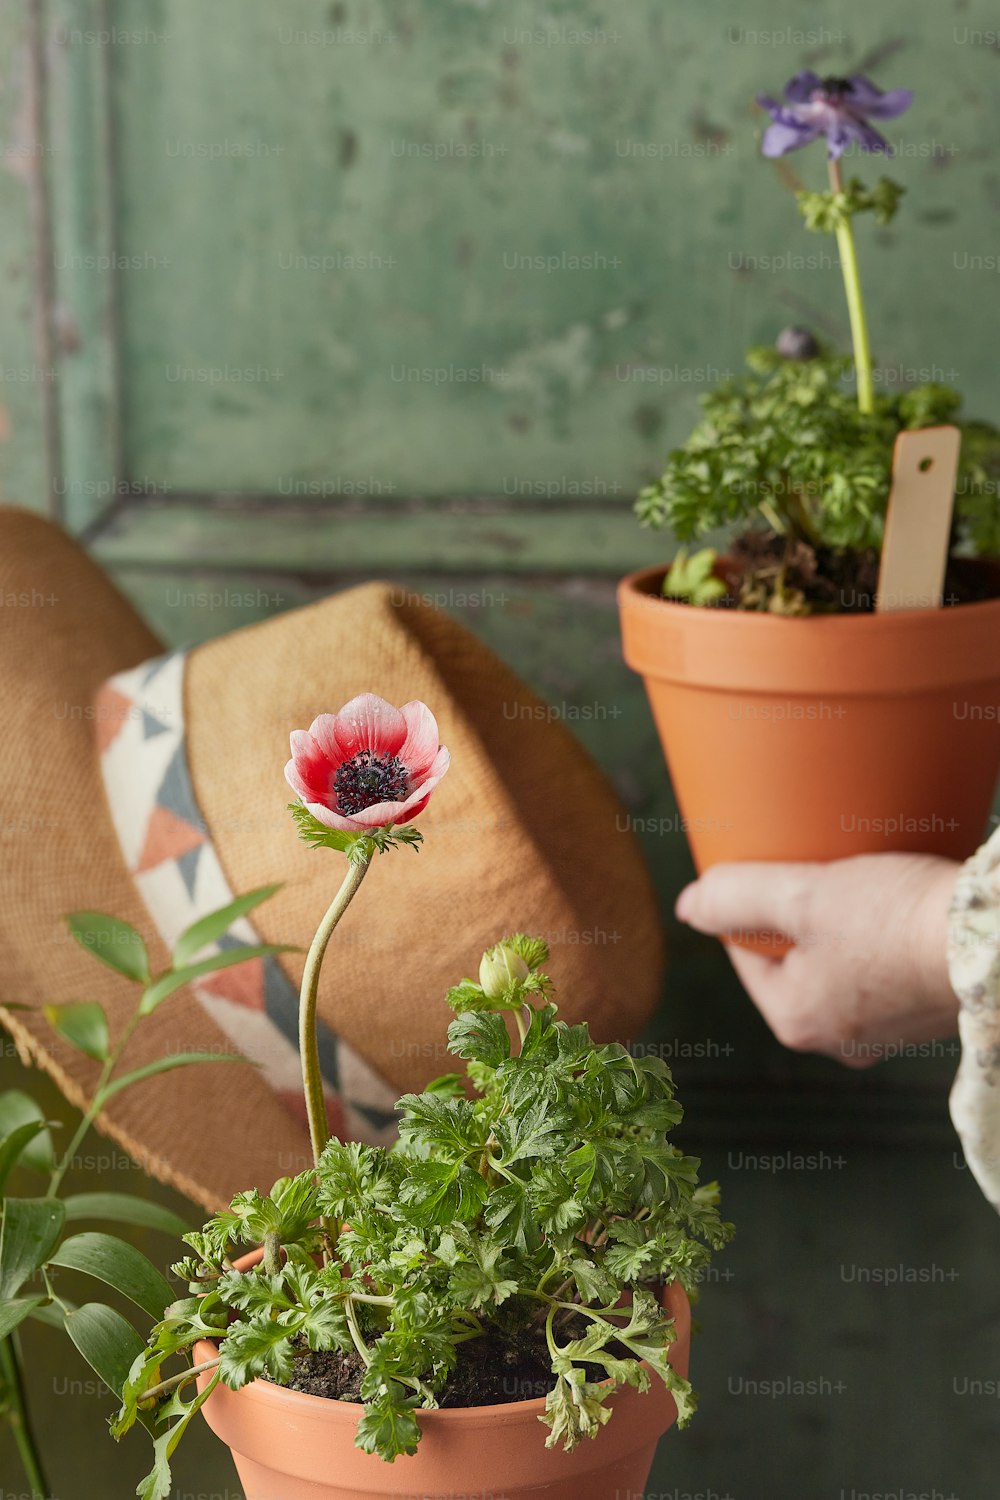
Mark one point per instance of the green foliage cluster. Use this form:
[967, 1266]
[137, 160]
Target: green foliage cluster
[32, 1228]
[360, 848]
[539, 1189]
[826, 212]
[787, 447]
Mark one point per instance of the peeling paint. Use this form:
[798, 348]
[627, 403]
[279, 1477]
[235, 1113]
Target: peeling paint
[21, 153]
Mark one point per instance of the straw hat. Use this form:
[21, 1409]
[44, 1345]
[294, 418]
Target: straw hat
[151, 787]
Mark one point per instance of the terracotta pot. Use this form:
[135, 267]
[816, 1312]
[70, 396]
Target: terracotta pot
[288, 1446]
[822, 737]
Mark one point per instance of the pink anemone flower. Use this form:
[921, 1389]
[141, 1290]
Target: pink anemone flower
[369, 765]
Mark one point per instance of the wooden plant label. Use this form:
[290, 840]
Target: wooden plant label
[918, 521]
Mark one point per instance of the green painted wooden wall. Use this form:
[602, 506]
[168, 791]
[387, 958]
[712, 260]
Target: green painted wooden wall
[294, 295]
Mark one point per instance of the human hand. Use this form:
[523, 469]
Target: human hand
[868, 974]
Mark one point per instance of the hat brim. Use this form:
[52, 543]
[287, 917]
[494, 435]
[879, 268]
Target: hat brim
[65, 629]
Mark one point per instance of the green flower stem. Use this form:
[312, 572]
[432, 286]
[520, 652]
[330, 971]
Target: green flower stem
[94, 1109]
[312, 1077]
[17, 1416]
[181, 1378]
[855, 301]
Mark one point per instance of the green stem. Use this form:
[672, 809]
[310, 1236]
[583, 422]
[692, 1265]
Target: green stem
[94, 1108]
[181, 1378]
[549, 1336]
[272, 1254]
[359, 1343]
[17, 1416]
[312, 1077]
[855, 301]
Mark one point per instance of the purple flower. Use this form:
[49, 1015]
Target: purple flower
[838, 108]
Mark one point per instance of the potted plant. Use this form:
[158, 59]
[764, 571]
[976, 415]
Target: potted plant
[411, 1321]
[799, 721]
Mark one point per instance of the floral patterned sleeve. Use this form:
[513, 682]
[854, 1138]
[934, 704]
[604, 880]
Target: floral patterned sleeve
[974, 966]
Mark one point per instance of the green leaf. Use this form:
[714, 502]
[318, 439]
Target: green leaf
[538, 1131]
[165, 984]
[509, 1216]
[534, 950]
[448, 1127]
[595, 1285]
[478, 1280]
[167, 1064]
[574, 1409]
[84, 1025]
[124, 1208]
[17, 1108]
[315, 833]
[157, 1484]
[439, 1192]
[13, 1145]
[119, 1265]
[480, 1036]
[30, 1228]
[257, 1347]
[115, 943]
[212, 927]
[14, 1311]
[388, 1426]
[108, 1343]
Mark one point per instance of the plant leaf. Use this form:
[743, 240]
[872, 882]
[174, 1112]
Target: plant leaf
[84, 1025]
[114, 942]
[439, 1192]
[12, 1146]
[14, 1311]
[388, 1426]
[165, 984]
[509, 1216]
[480, 1036]
[124, 1208]
[574, 1409]
[211, 927]
[117, 1264]
[157, 1484]
[166, 1064]
[17, 1108]
[108, 1343]
[30, 1228]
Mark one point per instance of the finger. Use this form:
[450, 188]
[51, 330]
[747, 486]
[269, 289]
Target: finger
[779, 989]
[773, 988]
[759, 975]
[748, 897]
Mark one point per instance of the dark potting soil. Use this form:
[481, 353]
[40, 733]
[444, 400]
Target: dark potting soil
[499, 1367]
[825, 578]
[841, 580]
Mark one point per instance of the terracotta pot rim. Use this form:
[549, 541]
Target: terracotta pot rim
[634, 585]
[898, 654]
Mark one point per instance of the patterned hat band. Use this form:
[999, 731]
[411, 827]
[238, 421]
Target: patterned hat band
[167, 846]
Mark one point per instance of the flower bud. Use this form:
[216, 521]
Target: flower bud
[797, 343]
[501, 968]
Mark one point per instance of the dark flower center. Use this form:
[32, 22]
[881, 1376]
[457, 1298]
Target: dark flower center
[836, 89]
[368, 778]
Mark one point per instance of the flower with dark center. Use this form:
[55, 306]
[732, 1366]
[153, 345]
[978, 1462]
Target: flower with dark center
[837, 108]
[367, 766]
